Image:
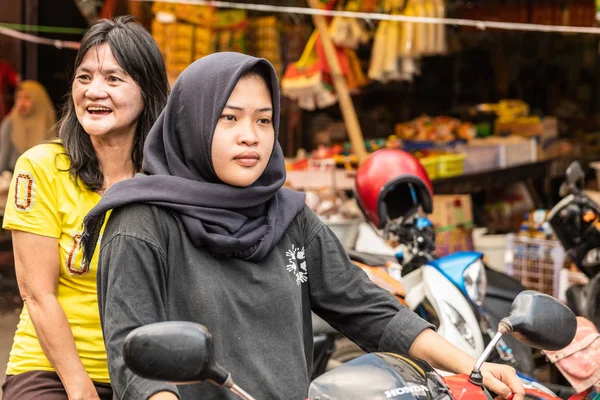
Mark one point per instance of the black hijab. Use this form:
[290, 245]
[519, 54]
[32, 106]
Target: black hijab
[243, 222]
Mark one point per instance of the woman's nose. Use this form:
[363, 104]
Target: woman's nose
[96, 89]
[248, 135]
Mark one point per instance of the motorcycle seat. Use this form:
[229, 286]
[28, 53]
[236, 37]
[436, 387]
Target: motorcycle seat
[502, 286]
[372, 260]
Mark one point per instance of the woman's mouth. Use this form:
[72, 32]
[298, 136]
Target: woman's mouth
[248, 159]
[98, 110]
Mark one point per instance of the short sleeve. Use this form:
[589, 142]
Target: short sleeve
[32, 204]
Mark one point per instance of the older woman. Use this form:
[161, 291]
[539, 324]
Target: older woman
[118, 90]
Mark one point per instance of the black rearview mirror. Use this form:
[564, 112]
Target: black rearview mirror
[181, 352]
[541, 321]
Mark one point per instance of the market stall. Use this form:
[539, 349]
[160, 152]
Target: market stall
[466, 96]
[494, 108]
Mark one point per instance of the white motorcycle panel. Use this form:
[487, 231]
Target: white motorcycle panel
[428, 282]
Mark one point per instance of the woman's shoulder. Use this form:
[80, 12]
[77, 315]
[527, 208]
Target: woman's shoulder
[306, 223]
[46, 154]
[143, 221]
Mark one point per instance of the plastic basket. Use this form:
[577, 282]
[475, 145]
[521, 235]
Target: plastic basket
[431, 166]
[450, 165]
[536, 263]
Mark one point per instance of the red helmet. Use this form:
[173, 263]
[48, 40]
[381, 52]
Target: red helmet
[390, 184]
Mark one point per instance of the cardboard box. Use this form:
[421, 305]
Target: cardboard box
[452, 218]
[451, 211]
[454, 240]
[521, 128]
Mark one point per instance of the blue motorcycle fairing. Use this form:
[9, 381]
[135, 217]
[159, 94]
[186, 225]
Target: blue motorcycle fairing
[454, 265]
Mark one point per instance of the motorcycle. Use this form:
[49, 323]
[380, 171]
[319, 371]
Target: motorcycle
[466, 271]
[391, 189]
[449, 292]
[183, 352]
[575, 221]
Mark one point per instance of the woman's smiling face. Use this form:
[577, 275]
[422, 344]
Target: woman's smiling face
[107, 100]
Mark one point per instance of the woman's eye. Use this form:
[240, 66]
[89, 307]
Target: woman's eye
[113, 79]
[228, 117]
[265, 121]
[83, 77]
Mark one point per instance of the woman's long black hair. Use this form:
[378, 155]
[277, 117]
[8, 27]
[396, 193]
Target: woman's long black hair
[138, 54]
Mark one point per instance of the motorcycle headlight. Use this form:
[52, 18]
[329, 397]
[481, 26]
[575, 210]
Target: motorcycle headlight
[459, 322]
[475, 281]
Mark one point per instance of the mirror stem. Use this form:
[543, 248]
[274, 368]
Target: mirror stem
[504, 327]
[240, 392]
[475, 377]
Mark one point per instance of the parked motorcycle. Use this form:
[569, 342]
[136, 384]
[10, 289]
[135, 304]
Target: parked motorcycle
[456, 286]
[183, 352]
[575, 221]
[392, 189]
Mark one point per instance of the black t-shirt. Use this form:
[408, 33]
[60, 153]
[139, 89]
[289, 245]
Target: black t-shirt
[149, 271]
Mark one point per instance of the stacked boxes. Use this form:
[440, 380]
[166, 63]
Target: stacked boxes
[183, 33]
[187, 32]
[179, 50]
[452, 218]
[263, 40]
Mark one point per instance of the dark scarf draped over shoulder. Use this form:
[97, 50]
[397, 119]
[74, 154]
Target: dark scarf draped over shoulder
[242, 222]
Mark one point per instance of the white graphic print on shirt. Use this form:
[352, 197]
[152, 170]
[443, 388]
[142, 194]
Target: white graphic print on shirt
[297, 264]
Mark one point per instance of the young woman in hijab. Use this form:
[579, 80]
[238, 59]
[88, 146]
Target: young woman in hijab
[209, 235]
[118, 90]
[30, 122]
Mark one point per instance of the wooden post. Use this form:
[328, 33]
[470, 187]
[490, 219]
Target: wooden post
[339, 82]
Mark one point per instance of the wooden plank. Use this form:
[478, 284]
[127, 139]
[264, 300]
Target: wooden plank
[341, 88]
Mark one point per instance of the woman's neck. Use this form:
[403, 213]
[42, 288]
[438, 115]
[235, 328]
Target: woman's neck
[114, 156]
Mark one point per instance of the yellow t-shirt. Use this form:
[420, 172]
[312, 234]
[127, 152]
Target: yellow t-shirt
[43, 199]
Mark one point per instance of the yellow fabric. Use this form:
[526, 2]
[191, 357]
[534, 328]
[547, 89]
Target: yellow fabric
[44, 200]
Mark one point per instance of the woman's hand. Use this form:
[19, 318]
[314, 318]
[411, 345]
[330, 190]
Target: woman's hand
[441, 354]
[86, 392]
[502, 380]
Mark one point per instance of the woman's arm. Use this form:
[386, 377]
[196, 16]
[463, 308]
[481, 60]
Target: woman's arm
[344, 296]
[441, 354]
[131, 293]
[37, 275]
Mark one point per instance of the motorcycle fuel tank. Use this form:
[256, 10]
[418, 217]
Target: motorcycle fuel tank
[380, 376]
